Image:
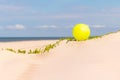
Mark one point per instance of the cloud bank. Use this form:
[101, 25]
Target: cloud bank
[15, 27]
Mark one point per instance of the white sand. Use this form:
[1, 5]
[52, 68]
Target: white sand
[97, 59]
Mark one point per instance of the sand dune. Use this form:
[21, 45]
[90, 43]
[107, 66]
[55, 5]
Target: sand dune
[96, 59]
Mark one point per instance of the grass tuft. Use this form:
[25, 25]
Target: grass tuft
[36, 51]
[11, 50]
[21, 51]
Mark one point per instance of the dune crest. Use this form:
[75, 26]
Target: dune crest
[96, 59]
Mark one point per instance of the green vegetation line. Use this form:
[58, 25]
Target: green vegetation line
[47, 48]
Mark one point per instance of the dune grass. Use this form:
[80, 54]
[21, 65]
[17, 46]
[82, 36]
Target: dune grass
[11, 50]
[48, 47]
[21, 51]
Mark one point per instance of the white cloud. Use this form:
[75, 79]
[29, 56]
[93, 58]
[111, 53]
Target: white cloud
[98, 26]
[15, 27]
[46, 27]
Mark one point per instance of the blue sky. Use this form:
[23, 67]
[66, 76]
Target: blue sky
[46, 18]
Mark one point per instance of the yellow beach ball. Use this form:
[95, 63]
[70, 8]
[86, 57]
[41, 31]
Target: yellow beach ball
[81, 32]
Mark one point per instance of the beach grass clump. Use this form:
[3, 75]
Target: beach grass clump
[73, 39]
[94, 37]
[30, 51]
[51, 46]
[70, 39]
[36, 51]
[21, 51]
[11, 50]
[48, 47]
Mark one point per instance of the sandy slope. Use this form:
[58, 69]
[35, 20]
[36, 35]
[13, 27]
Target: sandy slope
[97, 59]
